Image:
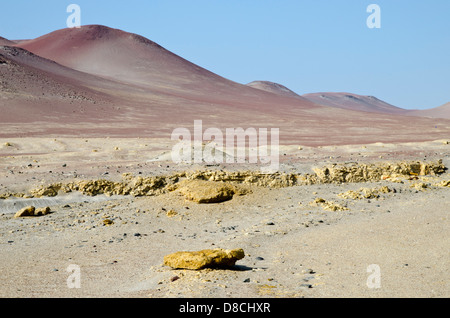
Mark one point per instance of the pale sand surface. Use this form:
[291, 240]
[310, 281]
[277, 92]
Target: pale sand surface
[292, 249]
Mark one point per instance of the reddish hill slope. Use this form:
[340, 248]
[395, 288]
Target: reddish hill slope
[353, 102]
[135, 60]
[113, 53]
[134, 87]
[437, 112]
[4, 41]
[33, 88]
[274, 88]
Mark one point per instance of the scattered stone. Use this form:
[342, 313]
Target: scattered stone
[305, 286]
[444, 183]
[366, 193]
[420, 186]
[32, 211]
[216, 258]
[328, 205]
[171, 213]
[47, 191]
[172, 279]
[108, 222]
[11, 194]
[42, 211]
[317, 201]
[331, 206]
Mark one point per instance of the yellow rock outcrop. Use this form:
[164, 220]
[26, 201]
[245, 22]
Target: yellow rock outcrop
[213, 258]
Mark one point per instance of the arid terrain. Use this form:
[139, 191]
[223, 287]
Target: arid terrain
[85, 130]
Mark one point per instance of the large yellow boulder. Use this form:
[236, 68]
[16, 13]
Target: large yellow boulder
[202, 191]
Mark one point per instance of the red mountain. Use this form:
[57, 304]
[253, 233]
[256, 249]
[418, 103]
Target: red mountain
[437, 112]
[99, 81]
[353, 102]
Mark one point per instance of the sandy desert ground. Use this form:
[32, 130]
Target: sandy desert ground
[293, 248]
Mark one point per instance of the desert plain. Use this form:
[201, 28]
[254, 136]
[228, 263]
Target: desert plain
[294, 248]
[359, 205]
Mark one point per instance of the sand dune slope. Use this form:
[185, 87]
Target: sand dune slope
[437, 112]
[99, 81]
[353, 102]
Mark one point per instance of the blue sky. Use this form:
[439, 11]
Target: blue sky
[307, 45]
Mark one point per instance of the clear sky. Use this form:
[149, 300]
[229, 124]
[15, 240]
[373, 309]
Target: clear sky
[307, 45]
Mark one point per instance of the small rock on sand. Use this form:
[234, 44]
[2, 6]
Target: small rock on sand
[42, 211]
[32, 211]
[216, 258]
[171, 213]
[27, 211]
